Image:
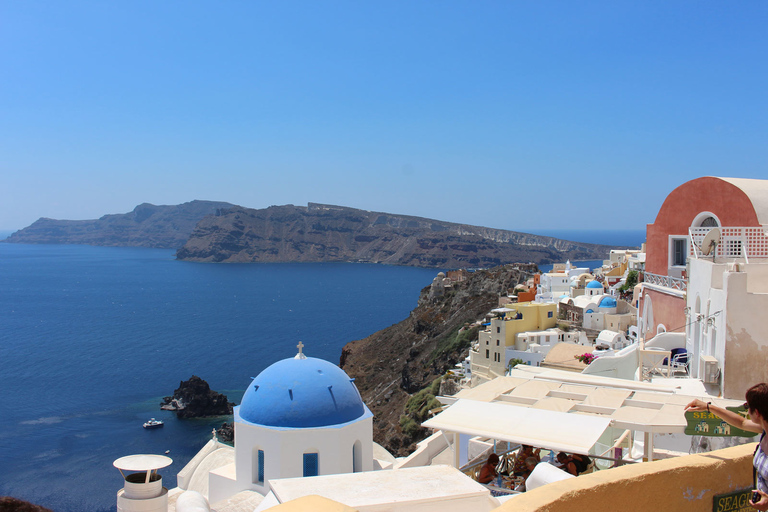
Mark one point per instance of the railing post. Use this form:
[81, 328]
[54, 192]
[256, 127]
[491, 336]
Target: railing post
[745, 247]
[693, 244]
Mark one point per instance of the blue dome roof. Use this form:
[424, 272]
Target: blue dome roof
[301, 393]
[594, 284]
[608, 302]
[590, 310]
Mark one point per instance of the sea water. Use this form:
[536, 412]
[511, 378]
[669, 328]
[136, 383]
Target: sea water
[92, 338]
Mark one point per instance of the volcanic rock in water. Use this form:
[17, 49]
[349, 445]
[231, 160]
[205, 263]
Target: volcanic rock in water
[226, 433]
[9, 504]
[195, 399]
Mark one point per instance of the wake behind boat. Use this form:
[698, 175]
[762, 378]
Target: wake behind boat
[153, 423]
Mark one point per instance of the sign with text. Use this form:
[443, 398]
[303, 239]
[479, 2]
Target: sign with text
[708, 424]
[733, 502]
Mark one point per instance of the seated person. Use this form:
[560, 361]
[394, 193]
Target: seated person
[520, 460]
[488, 471]
[574, 464]
[530, 465]
[582, 462]
[566, 463]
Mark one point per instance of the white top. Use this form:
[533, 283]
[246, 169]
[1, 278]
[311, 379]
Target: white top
[142, 462]
[566, 396]
[372, 489]
[561, 431]
[757, 192]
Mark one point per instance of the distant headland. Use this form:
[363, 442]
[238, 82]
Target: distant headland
[218, 232]
[161, 227]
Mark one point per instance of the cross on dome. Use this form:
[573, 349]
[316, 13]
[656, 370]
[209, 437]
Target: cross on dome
[300, 355]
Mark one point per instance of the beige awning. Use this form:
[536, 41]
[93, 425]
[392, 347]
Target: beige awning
[606, 397]
[560, 431]
[490, 390]
[638, 406]
[534, 389]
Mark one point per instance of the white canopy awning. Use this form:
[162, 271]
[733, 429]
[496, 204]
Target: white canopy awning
[142, 462]
[560, 431]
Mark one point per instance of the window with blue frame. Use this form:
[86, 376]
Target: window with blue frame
[260, 478]
[549, 314]
[310, 464]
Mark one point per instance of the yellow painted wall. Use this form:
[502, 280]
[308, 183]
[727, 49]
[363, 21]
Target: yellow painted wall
[680, 484]
[535, 318]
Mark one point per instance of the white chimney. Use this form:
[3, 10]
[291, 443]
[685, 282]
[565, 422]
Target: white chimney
[143, 491]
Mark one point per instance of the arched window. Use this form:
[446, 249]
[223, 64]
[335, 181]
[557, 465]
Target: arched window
[705, 220]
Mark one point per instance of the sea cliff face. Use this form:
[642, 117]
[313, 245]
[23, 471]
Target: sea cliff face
[162, 227]
[394, 364]
[319, 233]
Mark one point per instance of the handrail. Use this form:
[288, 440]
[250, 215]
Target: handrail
[675, 283]
[616, 445]
[467, 467]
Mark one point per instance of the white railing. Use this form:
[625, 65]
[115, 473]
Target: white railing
[676, 283]
[735, 242]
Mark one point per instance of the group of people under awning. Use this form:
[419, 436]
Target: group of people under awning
[525, 462]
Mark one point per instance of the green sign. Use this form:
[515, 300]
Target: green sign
[708, 424]
[733, 502]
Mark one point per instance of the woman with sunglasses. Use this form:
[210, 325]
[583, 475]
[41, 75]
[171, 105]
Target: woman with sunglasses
[757, 406]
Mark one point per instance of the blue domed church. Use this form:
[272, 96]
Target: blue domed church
[300, 417]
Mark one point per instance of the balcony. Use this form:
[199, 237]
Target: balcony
[735, 242]
[673, 283]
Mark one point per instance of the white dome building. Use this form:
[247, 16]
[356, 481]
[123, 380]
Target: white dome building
[594, 288]
[300, 417]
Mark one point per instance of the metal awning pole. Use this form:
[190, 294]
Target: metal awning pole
[649, 446]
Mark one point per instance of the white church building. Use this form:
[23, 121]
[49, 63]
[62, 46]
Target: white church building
[300, 417]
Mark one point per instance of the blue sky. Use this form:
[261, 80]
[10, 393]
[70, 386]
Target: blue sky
[515, 115]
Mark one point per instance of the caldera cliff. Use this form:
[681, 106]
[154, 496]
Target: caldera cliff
[396, 368]
[321, 233]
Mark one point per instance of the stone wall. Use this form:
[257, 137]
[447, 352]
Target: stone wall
[679, 484]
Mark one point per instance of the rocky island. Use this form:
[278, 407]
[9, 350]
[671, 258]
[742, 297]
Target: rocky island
[194, 398]
[325, 233]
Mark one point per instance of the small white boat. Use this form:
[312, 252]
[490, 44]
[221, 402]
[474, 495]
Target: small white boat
[153, 423]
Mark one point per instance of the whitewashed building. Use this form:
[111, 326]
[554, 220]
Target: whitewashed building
[300, 417]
